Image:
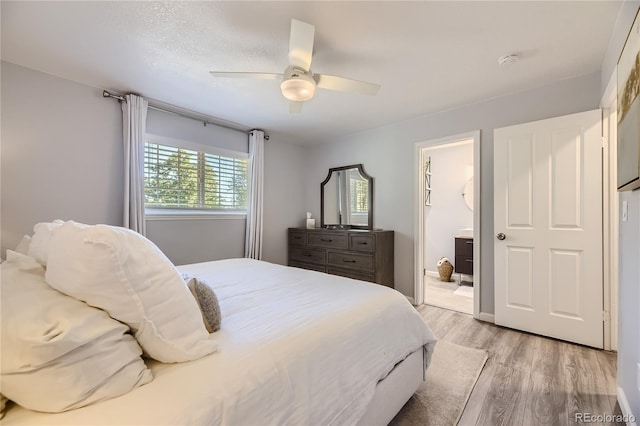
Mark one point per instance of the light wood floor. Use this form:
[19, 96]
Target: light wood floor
[442, 295]
[528, 379]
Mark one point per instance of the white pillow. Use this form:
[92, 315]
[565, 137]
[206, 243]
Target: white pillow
[3, 405]
[39, 247]
[57, 352]
[23, 246]
[125, 274]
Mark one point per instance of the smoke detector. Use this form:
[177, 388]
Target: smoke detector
[508, 59]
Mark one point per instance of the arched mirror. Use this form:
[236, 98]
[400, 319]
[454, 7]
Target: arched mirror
[346, 198]
[467, 193]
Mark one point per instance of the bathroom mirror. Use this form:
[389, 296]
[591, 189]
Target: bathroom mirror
[346, 198]
[467, 193]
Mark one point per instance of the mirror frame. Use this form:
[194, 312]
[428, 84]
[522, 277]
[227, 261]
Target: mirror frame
[370, 199]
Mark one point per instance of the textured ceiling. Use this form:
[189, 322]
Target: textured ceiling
[428, 56]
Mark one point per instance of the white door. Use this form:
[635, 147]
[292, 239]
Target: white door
[548, 226]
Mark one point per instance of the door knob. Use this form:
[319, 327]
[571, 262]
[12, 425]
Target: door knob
[501, 236]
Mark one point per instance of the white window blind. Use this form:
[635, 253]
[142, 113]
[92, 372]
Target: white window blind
[180, 178]
[358, 194]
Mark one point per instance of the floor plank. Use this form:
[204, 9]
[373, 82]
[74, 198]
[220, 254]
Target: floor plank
[529, 379]
[544, 405]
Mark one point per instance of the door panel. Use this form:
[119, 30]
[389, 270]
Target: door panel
[520, 277]
[566, 179]
[548, 203]
[564, 283]
[520, 183]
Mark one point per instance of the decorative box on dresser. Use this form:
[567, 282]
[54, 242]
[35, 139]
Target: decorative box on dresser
[360, 254]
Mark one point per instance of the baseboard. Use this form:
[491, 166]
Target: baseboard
[483, 316]
[412, 300]
[626, 409]
[455, 276]
[432, 274]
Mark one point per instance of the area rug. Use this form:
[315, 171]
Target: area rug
[464, 291]
[451, 377]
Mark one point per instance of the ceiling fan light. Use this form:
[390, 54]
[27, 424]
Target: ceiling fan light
[297, 89]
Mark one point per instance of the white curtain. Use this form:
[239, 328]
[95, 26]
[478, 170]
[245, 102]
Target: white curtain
[253, 235]
[134, 123]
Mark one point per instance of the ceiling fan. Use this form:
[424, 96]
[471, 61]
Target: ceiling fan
[298, 82]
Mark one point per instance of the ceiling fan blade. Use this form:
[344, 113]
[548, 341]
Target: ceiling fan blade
[301, 44]
[342, 84]
[295, 107]
[260, 75]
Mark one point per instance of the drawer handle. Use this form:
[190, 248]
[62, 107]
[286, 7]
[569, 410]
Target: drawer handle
[348, 260]
[469, 242]
[469, 260]
[307, 255]
[325, 240]
[363, 243]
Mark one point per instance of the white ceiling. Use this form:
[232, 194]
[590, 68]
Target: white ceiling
[428, 56]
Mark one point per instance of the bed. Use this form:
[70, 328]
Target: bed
[296, 347]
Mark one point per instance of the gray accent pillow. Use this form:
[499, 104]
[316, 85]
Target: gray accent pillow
[207, 301]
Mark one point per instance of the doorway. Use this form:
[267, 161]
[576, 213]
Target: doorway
[447, 222]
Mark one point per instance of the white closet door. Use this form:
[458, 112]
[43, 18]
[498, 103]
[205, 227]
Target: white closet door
[548, 225]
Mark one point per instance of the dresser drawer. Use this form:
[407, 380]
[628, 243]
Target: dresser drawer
[312, 266]
[464, 247]
[337, 241]
[362, 243]
[464, 265]
[362, 262]
[297, 238]
[356, 275]
[306, 255]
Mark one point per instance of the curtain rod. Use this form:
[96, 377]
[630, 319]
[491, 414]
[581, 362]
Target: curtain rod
[120, 98]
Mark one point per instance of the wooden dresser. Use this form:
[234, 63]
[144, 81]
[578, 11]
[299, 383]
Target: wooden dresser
[359, 254]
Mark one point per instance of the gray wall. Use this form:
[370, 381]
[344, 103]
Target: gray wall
[198, 240]
[62, 157]
[629, 303]
[629, 245]
[284, 196]
[387, 155]
[61, 153]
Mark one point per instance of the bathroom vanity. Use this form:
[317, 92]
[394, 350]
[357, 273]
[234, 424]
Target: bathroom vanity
[464, 255]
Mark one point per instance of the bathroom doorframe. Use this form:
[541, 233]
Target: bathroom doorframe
[611, 212]
[419, 213]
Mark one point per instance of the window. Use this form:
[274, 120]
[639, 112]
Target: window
[358, 189]
[180, 178]
[358, 193]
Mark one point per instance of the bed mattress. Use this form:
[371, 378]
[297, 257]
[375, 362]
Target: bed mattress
[295, 347]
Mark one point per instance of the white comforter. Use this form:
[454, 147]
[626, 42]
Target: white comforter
[296, 347]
